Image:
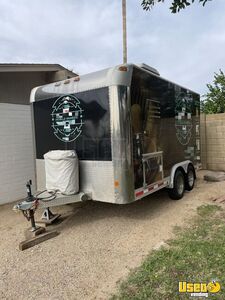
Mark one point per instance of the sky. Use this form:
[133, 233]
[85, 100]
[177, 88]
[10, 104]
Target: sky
[85, 36]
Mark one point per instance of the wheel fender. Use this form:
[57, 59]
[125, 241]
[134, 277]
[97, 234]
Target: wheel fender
[182, 165]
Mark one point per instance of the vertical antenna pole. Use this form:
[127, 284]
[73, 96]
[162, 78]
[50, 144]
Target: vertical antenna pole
[124, 14]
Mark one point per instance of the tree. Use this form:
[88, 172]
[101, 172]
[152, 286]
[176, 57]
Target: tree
[176, 5]
[214, 100]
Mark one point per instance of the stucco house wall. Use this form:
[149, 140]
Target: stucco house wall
[16, 138]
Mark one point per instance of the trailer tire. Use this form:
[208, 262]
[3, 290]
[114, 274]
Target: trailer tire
[177, 192]
[190, 178]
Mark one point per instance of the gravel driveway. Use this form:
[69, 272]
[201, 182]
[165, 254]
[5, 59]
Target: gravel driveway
[98, 244]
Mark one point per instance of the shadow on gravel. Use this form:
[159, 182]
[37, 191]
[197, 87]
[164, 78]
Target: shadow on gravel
[91, 211]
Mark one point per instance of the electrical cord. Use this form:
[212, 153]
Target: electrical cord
[48, 198]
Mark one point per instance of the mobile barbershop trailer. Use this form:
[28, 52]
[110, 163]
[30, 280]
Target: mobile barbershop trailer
[133, 131]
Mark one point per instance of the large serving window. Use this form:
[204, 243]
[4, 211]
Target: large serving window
[78, 121]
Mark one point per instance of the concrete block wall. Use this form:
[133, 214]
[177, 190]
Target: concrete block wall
[203, 141]
[214, 145]
[16, 151]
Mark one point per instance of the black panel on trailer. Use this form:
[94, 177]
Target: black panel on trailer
[78, 122]
[165, 117]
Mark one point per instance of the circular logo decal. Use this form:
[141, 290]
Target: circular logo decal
[67, 118]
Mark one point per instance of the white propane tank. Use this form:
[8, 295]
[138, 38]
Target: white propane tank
[62, 171]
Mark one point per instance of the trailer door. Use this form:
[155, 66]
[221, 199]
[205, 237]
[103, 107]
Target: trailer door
[145, 116]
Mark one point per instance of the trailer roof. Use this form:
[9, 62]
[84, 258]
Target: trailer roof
[117, 75]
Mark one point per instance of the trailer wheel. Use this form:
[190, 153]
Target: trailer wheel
[178, 189]
[190, 178]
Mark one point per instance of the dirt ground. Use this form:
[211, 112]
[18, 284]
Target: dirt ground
[98, 244]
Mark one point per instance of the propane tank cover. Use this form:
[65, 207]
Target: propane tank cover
[62, 171]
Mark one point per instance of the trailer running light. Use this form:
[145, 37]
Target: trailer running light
[138, 194]
[67, 81]
[123, 69]
[116, 183]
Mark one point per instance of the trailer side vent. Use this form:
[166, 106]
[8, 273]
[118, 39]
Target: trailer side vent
[154, 108]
